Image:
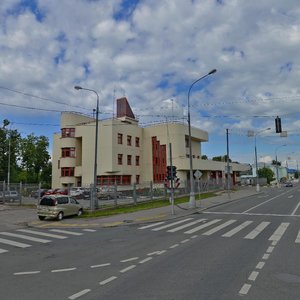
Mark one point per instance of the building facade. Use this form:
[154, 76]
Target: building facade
[128, 153]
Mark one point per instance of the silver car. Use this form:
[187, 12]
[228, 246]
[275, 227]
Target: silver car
[58, 206]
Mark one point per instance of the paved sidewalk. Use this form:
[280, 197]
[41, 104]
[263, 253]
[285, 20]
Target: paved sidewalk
[150, 215]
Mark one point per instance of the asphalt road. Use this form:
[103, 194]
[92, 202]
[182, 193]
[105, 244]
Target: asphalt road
[248, 248]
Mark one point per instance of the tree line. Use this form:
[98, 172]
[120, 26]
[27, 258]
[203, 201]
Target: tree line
[26, 159]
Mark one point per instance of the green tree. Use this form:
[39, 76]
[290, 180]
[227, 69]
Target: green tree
[274, 163]
[221, 158]
[35, 157]
[204, 157]
[266, 173]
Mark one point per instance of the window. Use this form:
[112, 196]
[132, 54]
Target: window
[58, 164]
[120, 138]
[129, 160]
[137, 179]
[67, 132]
[120, 159]
[68, 152]
[137, 160]
[67, 172]
[128, 140]
[137, 141]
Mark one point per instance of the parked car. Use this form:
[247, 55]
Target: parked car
[107, 193]
[10, 196]
[58, 206]
[57, 191]
[38, 193]
[289, 184]
[80, 192]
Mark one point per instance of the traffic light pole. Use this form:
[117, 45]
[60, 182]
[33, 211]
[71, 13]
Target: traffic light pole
[172, 180]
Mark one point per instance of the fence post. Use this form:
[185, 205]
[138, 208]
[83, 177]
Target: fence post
[151, 190]
[134, 194]
[20, 194]
[115, 194]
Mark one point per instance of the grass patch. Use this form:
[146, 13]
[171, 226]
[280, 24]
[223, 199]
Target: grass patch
[128, 208]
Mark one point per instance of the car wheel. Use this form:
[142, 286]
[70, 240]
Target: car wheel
[42, 218]
[79, 212]
[60, 216]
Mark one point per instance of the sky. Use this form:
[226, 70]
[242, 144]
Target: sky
[152, 52]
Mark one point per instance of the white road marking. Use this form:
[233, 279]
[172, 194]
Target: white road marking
[3, 250]
[63, 270]
[296, 208]
[253, 276]
[99, 266]
[279, 232]
[291, 196]
[274, 243]
[108, 280]
[270, 249]
[202, 226]
[245, 289]
[172, 224]
[237, 229]
[185, 225]
[253, 234]
[12, 243]
[129, 259]
[79, 294]
[174, 246]
[66, 232]
[128, 269]
[298, 238]
[151, 225]
[161, 252]
[260, 265]
[247, 214]
[43, 234]
[194, 236]
[25, 237]
[89, 230]
[263, 203]
[145, 260]
[27, 273]
[212, 231]
[184, 241]
[266, 256]
[153, 253]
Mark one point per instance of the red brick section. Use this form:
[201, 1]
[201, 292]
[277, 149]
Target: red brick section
[124, 109]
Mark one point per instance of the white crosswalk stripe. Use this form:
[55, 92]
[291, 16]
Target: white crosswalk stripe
[172, 224]
[151, 225]
[254, 233]
[191, 231]
[13, 243]
[218, 228]
[3, 250]
[237, 229]
[25, 237]
[55, 236]
[186, 225]
[66, 232]
[277, 235]
[298, 238]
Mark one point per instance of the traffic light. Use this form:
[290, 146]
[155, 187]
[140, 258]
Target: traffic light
[174, 172]
[169, 173]
[278, 125]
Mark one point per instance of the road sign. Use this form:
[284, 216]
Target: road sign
[198, 174]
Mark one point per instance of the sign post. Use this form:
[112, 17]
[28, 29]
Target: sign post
[198, 175]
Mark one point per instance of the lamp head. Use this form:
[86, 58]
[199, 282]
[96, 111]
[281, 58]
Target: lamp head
[77, 87]
[212, 71]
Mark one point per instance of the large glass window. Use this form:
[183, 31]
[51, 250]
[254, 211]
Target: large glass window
[128, 140]
[67, 172]
[137, 160]
[129, 160]
[68, 152]
[137, 141]
[120, 159]
[67, 132]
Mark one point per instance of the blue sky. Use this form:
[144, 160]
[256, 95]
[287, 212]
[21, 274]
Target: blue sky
[151, 52]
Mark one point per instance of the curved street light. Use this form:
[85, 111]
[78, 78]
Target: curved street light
[192, 202]
[94, 199]
[256, 165]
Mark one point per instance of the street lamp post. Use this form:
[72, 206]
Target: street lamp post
[256, 165]
[94, 199]
[277, 163]
[192, 202]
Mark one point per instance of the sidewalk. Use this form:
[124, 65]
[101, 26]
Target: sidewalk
[150, 215]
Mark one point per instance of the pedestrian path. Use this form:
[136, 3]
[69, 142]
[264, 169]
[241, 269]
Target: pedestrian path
[23, 238]
[248, 230]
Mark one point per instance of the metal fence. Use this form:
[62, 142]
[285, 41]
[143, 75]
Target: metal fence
[109, 195]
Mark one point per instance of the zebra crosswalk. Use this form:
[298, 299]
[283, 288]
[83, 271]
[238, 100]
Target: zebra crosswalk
[23, 238]
[227, 228]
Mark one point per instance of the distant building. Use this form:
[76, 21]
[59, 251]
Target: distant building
[128, 153]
